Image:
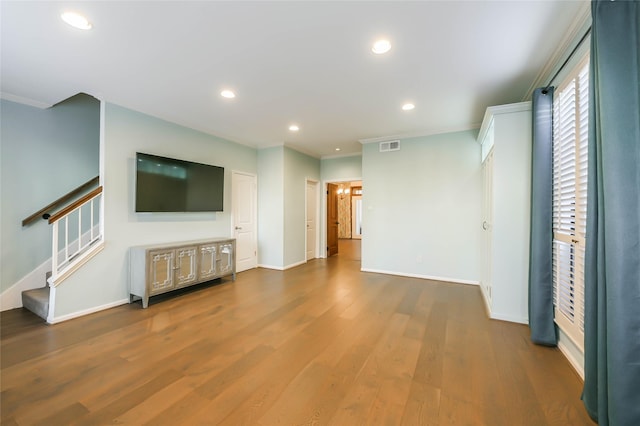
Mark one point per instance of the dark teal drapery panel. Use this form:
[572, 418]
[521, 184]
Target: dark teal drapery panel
[612, 272]
[543, 329]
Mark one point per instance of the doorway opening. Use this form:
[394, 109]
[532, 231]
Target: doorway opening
[344, 217]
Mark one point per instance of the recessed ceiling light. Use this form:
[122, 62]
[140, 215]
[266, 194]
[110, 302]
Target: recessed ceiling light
[294, 128]
[227, 94]
[408, 107]
[381, 46]
[337, 149]
[76, 20]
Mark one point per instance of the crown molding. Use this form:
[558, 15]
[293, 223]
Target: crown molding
[25, 101]
[430, 132]
[353, 154]
[575, 32]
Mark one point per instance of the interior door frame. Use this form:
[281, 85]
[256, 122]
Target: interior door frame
[316, 249]
[323, 220]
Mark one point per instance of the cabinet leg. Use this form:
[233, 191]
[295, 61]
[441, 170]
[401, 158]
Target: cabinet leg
[233, 276]
[145, 302]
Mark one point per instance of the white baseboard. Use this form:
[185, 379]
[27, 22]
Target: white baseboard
[55, 320]
[277, 268]
[293, 265]
[424, 277]
[571, 352]
[501, 317]
[282, 268]
[487, 302]
[11, 298]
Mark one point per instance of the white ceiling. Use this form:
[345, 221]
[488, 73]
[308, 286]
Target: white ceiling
[308, 63]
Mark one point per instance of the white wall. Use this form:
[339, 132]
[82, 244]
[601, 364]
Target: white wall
[271, 207]
[103, 281]
[44, 154]
[422, 207]
[297, 169]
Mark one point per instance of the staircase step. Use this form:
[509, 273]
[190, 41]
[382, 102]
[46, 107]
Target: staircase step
[37, 301]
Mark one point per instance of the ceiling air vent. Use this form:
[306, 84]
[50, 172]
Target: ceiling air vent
[389, 146]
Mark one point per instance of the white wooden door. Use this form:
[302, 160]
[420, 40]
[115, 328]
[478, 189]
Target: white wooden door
[487, 222]
[312, 219]
[244, 211]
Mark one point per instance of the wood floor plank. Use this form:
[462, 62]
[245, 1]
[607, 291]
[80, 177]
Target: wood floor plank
[422, 406]
[455, 411]
[430, 360]
[217, 384]
[346, 356]
[322, 343]
[148, 409]
[48, 395]
[132, 398]
[66, 415]
[290, 360]
[296, 395]
[390, 365]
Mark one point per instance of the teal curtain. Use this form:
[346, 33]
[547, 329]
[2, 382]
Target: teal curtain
[612, 272]
[541, 324]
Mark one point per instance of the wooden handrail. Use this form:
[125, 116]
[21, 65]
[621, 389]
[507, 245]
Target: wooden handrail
[61, 200]
[75, 205]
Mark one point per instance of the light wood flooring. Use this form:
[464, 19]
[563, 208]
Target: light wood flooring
[322, 343]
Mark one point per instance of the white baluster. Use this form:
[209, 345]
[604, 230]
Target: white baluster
[54, 255]
[91, 221]
[80, 229]
[66, 238]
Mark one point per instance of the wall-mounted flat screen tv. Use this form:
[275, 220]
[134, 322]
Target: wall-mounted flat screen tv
[171, 185]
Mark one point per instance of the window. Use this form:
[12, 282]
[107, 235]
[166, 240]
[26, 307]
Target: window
[570, 137]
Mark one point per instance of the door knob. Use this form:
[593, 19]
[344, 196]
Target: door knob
[238, 227]
[485, 225]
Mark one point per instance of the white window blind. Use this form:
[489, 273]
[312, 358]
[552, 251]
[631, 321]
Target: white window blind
[570, 138]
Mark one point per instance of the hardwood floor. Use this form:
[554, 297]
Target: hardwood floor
[322, 343]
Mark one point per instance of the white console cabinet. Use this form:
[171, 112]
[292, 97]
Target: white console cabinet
[159, 268]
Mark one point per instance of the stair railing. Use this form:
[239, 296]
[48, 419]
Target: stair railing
[77, 235]
[45, 212]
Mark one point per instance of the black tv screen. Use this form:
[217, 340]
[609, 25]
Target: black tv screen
[171, 185]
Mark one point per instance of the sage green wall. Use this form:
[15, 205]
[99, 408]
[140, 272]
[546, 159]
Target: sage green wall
[271, 207]
[341, 168]
[422, 207]
[103, 281]
[298, 168]
[44, 154]
[282, 174]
